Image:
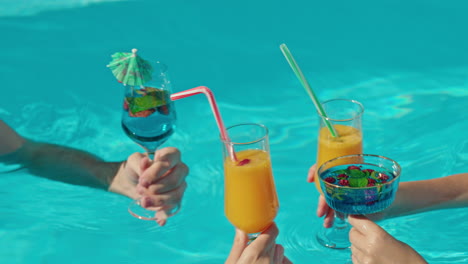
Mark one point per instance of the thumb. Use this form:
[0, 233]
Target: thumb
[240, 243]
[311, 174]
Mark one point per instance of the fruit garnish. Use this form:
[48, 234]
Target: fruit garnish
[354, 176]
[163, 109]
[330, 180]
[147, 98]
[342, 176]
[125, 105]
[383, 177]
[344, 182]
[144, 113]
[243, 162]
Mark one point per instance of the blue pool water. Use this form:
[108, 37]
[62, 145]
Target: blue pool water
[406, 61]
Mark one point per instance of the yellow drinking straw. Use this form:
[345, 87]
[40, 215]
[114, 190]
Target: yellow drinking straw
[292, 62]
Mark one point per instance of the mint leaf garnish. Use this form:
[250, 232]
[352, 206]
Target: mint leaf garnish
[356, 174]
[373, 176]
[153, 98]
[338, 172]
[357, 182]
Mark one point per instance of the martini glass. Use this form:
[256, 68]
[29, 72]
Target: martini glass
[148, 118]
[358, 184]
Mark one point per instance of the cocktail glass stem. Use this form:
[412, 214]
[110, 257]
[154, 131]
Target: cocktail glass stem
[336, 237]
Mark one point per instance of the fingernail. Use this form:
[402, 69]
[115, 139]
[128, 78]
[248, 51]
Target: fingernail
[146, 202]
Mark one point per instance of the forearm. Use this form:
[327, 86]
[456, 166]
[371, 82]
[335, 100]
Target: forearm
[65, 164]
[421, 196]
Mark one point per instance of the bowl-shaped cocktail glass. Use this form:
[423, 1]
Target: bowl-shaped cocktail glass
[250, 198]
[148, 118]
[345, 116]
[359, 184]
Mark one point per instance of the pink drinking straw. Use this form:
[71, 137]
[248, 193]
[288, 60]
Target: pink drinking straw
[214, 107]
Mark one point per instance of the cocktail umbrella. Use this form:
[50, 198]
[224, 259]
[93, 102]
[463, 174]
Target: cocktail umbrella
[130, 69]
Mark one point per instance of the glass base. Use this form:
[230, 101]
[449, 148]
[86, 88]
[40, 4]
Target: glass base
[336, 237]
[136, 210]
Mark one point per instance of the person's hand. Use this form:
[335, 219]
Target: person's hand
[371, 244]
[263, 250]
[322, 207]
[160, 185]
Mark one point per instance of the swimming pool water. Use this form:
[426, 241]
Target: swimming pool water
[406, 62]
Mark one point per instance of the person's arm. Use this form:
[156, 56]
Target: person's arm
[54, 161]
[10, 141]
[426, 195]
[413, 197]
[160, 184]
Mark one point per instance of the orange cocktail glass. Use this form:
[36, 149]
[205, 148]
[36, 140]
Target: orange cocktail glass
[250, 198]
[345, 116]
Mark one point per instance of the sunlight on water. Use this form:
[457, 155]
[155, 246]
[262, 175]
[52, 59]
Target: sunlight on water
[15, 8]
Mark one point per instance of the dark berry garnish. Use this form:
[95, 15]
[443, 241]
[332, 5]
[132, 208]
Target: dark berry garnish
[243, 162]
[370, 181]
[330, 180]
[163, 109]
[352, 167]
[368, 170]
[125, 105]
[342, 176]
[383, 177]
[344, 182]
[144, 113]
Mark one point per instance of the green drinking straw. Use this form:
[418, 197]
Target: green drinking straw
[292, 62]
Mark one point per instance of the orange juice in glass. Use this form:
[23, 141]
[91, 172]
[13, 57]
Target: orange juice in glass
[250, 198]
[345, 117]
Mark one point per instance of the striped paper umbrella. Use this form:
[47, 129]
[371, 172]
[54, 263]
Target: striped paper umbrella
[130, 69]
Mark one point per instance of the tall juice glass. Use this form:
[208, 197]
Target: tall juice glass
[345, 116]
[250, 198]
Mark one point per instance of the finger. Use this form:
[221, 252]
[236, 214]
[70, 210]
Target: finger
[167, 153]
[363, 224]
[356, 237]
[165, 160]
[329, 218]
[166, 201]
[356, 255]
[266, 240]
[161, 217]
[240, 243]
[354, 259]
[145, 163]
[322, 206]
[278, 254]
[171, 181]
[133, 162]
[286, 261]
[311, 174]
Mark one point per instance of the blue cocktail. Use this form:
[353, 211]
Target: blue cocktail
[359, 184]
